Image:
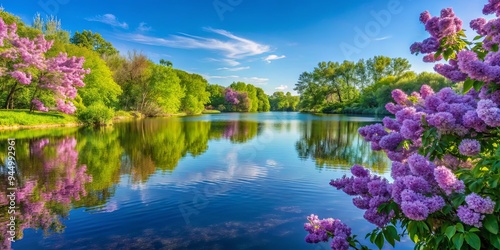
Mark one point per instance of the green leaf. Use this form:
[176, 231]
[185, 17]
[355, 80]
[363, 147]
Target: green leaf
[495, 240]
[460, 227]
[478, 85]
[468, 84]
[458, 241]
[393, 232]
[473, 240]
[379, 241]
[447, 53]
[477, 38]
[389, 239]
[458, 200]
[491, 224]
[450, 231]
[494, 47]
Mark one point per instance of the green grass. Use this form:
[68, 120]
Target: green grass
[211, 112]
[18, 117]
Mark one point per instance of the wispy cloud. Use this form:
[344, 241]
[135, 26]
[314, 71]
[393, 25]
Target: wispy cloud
[233, 47]
[256, 80]
[229, 62]
[219, 77]
[143, 27]
[234, 69]
[382, 38]
[108, 19]
[281, 87]
[270, 58]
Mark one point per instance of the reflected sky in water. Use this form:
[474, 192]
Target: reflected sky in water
[227, 181]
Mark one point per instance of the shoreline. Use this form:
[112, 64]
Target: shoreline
[40, 126]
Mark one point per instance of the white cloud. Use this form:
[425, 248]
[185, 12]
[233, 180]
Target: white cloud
[270, 58]
[382, 38]
[229, 62]
[219, 77]
[108, 19]
[234, 69]
[143, 27]
[233, 47]
[256, 80]
[281, 87]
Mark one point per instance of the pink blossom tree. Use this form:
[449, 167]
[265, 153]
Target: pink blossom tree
[24, 61]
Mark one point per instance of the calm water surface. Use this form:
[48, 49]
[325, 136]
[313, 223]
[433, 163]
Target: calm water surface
[228, 181]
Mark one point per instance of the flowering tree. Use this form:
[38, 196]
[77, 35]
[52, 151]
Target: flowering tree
[24, 61]
[444, 149]
[42, 201]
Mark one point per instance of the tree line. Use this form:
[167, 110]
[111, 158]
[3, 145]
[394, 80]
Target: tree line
[100, 79]
[86, 75]
[360, 87]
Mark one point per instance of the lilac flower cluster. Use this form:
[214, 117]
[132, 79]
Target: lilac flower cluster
[231, 96]
[469, 147]
[447, 181]
[322, 230]
[440, 27]
[371, 192]
[473, 213]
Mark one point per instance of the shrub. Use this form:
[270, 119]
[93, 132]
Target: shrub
[444, 149]
[96, 114]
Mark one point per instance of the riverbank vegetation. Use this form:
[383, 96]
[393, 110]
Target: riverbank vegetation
[361, 87]
[84, 75]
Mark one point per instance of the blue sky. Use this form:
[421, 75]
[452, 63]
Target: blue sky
[263, 42]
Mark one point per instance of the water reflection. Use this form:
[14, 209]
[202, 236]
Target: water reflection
[63, 169]
[337, 144]
[45, 189]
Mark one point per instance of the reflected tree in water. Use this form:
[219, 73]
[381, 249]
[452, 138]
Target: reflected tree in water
[337, 144]
[43, 199]
[101, 151]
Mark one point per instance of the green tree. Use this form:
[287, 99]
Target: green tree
[216, 100]
[195, 87]
[93, 41]
[99, 84]
[165, 93]
[50, 26]
[263, 100]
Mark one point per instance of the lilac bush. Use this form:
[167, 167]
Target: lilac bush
[444, 148]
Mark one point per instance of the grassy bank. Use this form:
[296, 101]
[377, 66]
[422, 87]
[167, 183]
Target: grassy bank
[24, 119]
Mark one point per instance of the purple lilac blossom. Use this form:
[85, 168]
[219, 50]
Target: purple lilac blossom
[492, 7]
[470, 217]
[488, 111]
[447, 181]
[469, 147]
[480, 204]
[391, 141]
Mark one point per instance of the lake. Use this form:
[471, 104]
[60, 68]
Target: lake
[225, 181]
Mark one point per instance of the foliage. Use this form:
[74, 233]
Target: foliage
[333, 86]
[50, 26]
[93, 41]
[444, 149]
[283, 102]
[24, 62]
[99, 83]
[95, 114]
[196, 94]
